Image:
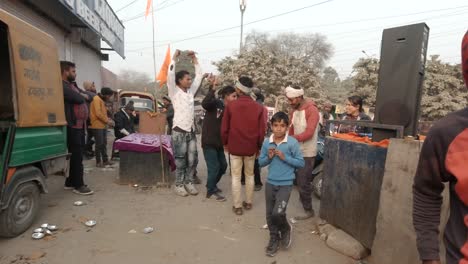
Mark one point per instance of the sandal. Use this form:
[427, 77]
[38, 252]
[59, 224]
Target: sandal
[237, 211]
[247, 206]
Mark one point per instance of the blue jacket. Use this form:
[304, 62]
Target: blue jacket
[281, 172]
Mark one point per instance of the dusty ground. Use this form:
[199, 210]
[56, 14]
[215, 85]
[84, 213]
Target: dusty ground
[187, 230]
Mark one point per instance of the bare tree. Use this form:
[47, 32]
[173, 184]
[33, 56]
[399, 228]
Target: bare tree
[275, 62]
[131, 80]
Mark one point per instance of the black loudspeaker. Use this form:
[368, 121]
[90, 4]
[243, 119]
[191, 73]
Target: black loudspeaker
[401, 75]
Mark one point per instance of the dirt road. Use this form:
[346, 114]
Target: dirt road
[187, 230]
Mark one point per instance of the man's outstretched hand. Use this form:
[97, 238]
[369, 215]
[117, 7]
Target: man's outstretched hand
[176, 54]
[212, 80]
[193, 55]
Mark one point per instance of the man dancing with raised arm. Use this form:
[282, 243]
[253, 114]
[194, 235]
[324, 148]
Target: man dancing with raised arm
[181, 90]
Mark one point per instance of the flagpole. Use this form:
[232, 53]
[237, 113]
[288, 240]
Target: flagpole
[157, 98]
[154, 49]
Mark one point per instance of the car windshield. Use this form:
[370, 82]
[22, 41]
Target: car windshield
[140, 104]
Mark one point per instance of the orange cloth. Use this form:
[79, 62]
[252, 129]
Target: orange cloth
[355, 137]
[162, 76]
[148, 7]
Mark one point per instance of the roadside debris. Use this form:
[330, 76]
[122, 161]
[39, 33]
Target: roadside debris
[133, 231]
[90, 223]
[45, 229]
[38, 235]
[78, 203]
[148, 230]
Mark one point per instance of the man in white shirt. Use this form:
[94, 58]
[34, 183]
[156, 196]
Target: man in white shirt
[181, 90]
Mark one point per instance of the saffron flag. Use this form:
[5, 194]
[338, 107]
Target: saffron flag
[148, 7]
[162, 76]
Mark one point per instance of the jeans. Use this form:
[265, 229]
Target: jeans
[185, 153]
[100, 135]
[75, 144]
[217, 165]
[257, 178]
[303, 179]
[237, 163]
[277, 198]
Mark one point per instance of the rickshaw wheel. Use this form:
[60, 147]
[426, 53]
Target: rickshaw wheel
[21, 211]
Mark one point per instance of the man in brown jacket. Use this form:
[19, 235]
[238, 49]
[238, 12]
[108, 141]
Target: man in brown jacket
[99, 122]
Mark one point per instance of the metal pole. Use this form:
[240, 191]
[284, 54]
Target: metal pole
[157, 93]
[242, 31]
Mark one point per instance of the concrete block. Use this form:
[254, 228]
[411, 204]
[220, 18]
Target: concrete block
[395, 239]
[346, 244]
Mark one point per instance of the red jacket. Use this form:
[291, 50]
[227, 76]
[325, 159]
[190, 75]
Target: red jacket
[243, 127]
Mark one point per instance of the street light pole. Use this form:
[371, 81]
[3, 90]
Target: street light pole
[242, 6]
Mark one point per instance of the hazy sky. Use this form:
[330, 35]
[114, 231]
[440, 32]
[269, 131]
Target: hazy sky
[351, 26]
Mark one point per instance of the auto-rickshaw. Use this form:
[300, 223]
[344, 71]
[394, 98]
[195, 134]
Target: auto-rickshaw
[32, 121]
[142, 101]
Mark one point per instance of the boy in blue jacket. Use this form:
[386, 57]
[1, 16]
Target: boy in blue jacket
[283, 155]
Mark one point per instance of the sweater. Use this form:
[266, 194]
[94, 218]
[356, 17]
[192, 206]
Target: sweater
[211, 130]
[443, 159]
[243, 127]
[304, 127]
[71, 99]
[98, 113]
[124, 124]
[282, 172]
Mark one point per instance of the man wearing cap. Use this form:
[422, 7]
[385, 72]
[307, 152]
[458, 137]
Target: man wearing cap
[243, 132]
[304, 117]
[124, 122]
[169, 110]
[99, 122]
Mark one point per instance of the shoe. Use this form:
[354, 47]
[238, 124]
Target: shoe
[218, 190]
[180, 190]
[83, 190]
[196, 180]
[272, 247]
[286, 237]
[65, 187]
[246, 205]
[99, 165]
[307, 215]
[238, 211]
[258, 188]
[191, 189]
[109, 163]
[216, 196]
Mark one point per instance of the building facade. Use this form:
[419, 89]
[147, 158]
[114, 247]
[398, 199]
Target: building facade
[78, 26]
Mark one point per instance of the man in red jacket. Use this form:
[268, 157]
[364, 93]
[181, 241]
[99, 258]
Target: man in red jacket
[243, 132]
[443, 160]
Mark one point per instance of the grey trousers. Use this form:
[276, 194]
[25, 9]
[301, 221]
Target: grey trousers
[277, 198]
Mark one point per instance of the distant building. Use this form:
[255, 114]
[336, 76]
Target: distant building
[109, 79]
[78, 26]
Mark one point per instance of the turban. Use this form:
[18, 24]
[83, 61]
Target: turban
[244, 89]
[293, 93]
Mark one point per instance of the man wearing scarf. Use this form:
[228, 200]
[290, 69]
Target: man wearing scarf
[304, 118]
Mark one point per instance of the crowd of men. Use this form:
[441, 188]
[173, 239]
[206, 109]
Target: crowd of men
[88, 119]
[235, 123]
